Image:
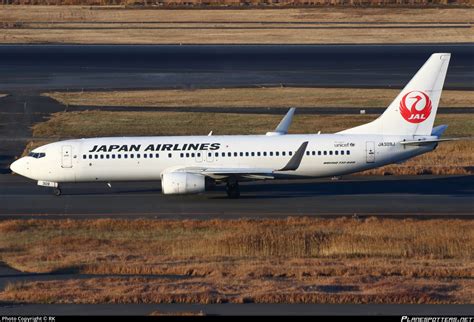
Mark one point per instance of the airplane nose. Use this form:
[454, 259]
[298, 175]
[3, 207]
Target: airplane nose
[20, 167]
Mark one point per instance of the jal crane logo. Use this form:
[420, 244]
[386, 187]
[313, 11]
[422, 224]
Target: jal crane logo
[415, 106]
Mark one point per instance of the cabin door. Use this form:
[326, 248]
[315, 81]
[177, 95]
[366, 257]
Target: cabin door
[370, 151]
[66, 156]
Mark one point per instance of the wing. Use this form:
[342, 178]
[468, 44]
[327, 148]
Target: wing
[248, 173]
[224, 173]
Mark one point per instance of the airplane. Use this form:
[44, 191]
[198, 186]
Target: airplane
[189, 164]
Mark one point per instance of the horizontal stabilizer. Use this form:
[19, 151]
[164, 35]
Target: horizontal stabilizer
[427, 141]
[439, 130]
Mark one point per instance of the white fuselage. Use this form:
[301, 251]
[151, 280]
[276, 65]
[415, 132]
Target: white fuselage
[146, 158]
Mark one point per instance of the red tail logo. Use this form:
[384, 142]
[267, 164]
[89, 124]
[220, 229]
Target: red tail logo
[419, 106]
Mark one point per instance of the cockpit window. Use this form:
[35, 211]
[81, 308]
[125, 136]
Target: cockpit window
[37, 155]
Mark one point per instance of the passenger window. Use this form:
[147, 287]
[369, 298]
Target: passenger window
[258, 154]
[131, 156]
[271, 153]
[125, 156]
[96, 156]
[319, 152]
[348, 152]
[307, 152]
[90, 156]
[264, 154]
[246, 154]
[145, 156]
[187, 155]
[325, 152]
[216, 154]
[290, 153]
[84, 156]
[209, 154]
[241, 154]
[199, 154]
[113, 156]
[330, 152]
[229, 154]
[277, 153]
[283, 153]
[235, 154]
[138, 156]
[151, 155]
[336, 152]
[313, 152]
[252, 154]
[107, 156]
[101, 156]
[119, 156]
[169, 155]
[342, 152]
[181, 155]
[193, 155]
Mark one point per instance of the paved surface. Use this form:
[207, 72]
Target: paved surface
[424, 196]
[238, 309]
[9, 275]
[44, 67]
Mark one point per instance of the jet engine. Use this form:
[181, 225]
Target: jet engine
[180, 183]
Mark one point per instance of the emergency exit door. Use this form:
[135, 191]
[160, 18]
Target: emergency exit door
[66, 159]
[370, 152]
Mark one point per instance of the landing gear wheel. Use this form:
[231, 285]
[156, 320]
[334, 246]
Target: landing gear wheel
[57, 192]
[233, 190]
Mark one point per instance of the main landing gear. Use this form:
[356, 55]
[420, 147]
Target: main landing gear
[57, 192]
[232, 189]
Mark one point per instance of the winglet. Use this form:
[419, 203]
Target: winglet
[285, 123]
[295, 160]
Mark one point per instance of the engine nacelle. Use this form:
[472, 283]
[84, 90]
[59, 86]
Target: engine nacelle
[180, 183]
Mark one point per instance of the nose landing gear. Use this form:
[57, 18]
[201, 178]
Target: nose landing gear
[57, 192]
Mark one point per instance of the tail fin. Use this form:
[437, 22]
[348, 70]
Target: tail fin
[414, 110]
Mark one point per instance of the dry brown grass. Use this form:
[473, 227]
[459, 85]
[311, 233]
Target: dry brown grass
[238, 36]
[449, 158]
[119, 14]
[141, 4]
[296, 260]
[252, 97]
[16, 18]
